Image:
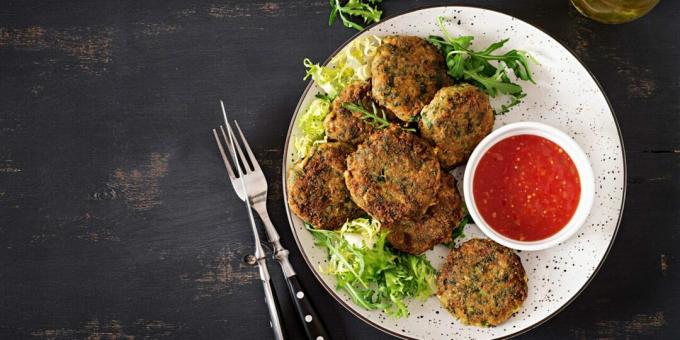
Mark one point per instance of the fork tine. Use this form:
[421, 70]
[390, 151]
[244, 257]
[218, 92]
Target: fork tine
[242, 156]
[244, 161]
[238, 162]
[253, 160]
[224, 155]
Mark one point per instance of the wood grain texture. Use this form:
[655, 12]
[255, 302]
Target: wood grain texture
[116, 220]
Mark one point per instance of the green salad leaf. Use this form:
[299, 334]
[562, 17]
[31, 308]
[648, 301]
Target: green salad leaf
[377, 118]
[311, 127]
[330, 79]
[374, 275]
[476, 67]
[350, 64]
[366, 10]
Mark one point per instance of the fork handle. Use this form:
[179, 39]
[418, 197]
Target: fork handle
[274, 308]
[311, 321]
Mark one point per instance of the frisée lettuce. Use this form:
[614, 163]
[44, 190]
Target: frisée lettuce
[374, 275]
[350, 64]
[311, 127]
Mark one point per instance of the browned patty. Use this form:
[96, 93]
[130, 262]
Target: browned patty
[455, 121]
[482, 283]
[343, 125]
[393, 175]
[415, 236]
[316, 188]
[407, 71]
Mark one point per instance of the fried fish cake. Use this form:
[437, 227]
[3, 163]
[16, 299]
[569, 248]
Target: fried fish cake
[415, 236]
[344, 125]
[316, 188]
[407, 71]
[482, 283]
[455, 121]
[393, 175]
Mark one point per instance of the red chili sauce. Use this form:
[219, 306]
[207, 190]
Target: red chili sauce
[526, 187]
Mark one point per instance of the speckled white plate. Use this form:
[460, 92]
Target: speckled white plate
[565, 96]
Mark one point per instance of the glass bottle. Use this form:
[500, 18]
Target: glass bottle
[614, 11]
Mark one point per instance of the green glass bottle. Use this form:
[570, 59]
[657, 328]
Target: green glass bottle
[614, 11]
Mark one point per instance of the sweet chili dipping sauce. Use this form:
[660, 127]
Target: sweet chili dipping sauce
[526, 187]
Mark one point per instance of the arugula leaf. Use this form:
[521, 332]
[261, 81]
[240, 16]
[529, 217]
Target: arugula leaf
[367, 10]
[476, 67]
[374, 275]
[376, 118]
[494, 84]
[513, 101]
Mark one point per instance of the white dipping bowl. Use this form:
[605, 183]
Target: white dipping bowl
[574, 151]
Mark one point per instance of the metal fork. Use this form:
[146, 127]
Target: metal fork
[257, 195]
[259, 257]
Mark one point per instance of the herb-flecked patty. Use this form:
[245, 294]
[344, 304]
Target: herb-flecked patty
[417, 235]
[407, 71]
[316, 188]
[455, 121]
[393, 175]
[482, 283]
[344, 125]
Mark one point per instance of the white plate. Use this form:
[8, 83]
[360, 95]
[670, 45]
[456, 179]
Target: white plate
[565, 96]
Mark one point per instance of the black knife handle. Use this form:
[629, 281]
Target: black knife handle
[310, 318]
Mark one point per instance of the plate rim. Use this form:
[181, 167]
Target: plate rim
[334, 294]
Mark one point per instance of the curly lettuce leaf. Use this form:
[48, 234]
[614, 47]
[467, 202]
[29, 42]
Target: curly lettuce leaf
[311, 127]
[374, 275]
[352, 63]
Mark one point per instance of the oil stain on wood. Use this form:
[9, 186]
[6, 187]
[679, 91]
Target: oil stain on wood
[140, 187]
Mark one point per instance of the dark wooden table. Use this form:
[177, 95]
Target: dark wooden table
[115, 217]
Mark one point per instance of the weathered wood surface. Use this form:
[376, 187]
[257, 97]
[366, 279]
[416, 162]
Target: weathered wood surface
[115, 217]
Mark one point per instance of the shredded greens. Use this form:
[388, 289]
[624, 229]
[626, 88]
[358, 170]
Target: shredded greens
[367, 10]
[311, 127]
[476, 67]
[352, 63]
[330, 79]
[374, 275]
